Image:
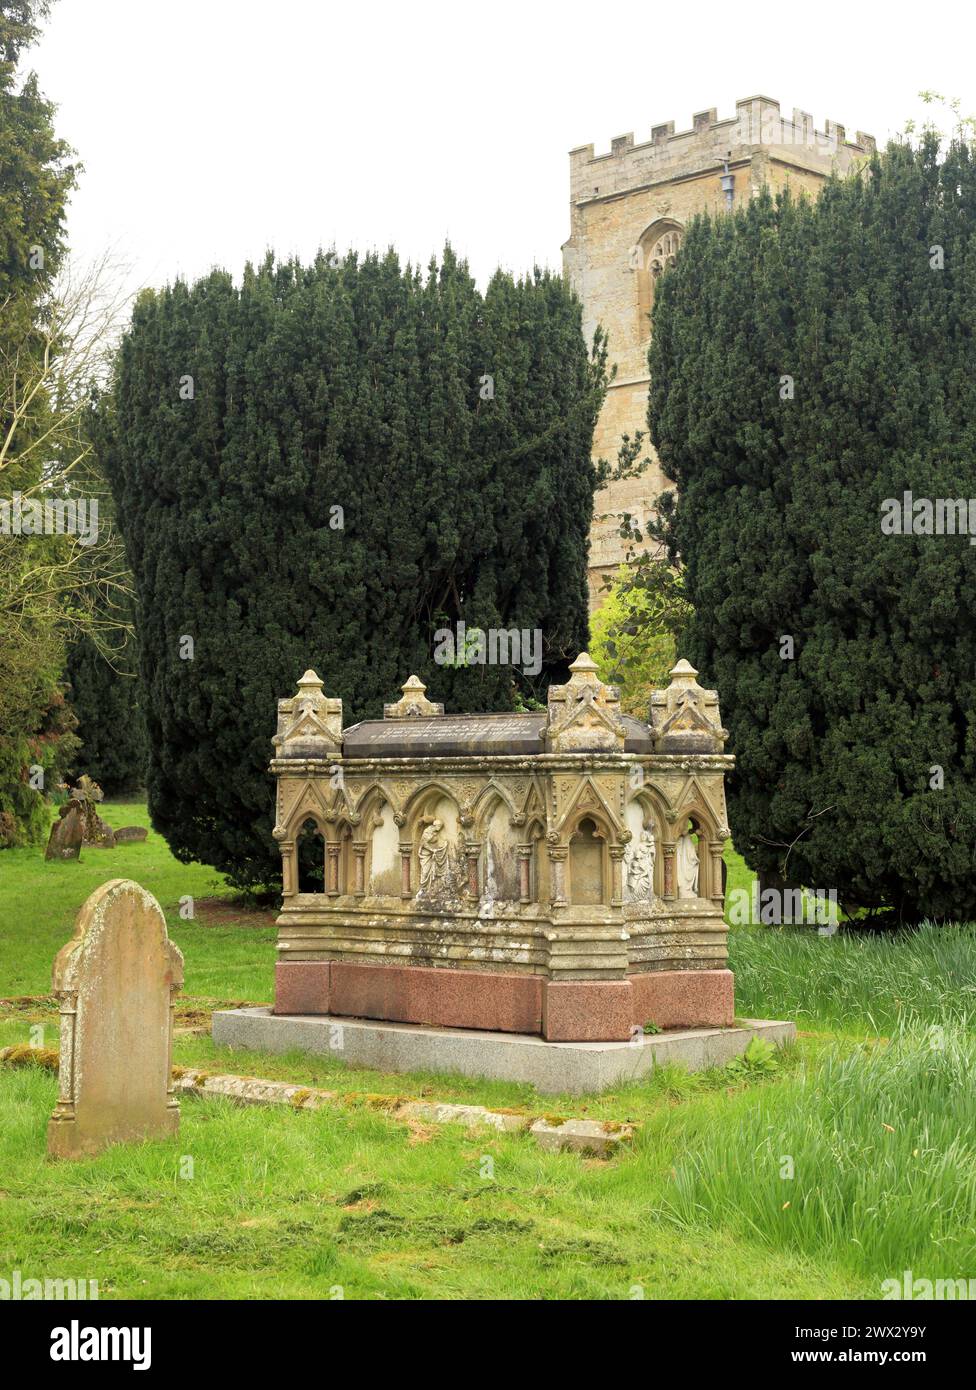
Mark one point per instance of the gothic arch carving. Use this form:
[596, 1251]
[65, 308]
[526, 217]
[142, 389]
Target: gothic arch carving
[485, 805]
[308, 805]
[588, 799]
[657, 250]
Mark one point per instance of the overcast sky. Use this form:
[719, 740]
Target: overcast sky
[212, 129]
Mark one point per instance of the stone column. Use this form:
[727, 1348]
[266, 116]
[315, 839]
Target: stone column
[525, 872]
[406, 855]
[289, 876]
[332, 879]
[472, 851]
[715, 872]
[669, 888]
[64, 1110]
[617, 875]
[359, 852]
[557, 859]
[172, 1104]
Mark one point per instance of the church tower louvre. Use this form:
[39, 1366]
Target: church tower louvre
[628, 211]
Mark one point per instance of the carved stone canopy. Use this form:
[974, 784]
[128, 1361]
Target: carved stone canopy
[584, 713]
[684, 717]
[310, 723]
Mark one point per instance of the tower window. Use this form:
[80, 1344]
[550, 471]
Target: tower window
[658, 248]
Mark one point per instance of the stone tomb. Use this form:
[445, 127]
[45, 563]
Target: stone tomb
[116, 982]
[555, 873]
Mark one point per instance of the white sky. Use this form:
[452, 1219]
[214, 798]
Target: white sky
[212, 129]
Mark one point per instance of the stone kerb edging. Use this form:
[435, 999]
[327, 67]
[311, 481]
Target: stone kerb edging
[597, 1138]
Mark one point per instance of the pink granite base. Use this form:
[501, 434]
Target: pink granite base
[302, 986]
[574, 1011]
[446, 998]
[587, 1011]
[684, 998]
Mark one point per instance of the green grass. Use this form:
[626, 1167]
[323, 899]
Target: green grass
[858, 984]
[289, 1205]
[39, 902]
[255, 1203]
[871, 1157]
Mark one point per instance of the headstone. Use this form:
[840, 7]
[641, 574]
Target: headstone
[67, 833]
[116, 981]
[131, 835]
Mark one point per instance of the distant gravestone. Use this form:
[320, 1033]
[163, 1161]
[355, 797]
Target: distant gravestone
[131, 835]
[116, 981]
[67, 832]
[97, 832]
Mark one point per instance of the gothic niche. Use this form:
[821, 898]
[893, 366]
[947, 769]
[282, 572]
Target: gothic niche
[384, 856]
[310, 850]
[501, 863]
[688, 869]
[586, 880]
[658, 248]
[441, 862]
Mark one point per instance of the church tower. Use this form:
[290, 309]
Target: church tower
[628, 212]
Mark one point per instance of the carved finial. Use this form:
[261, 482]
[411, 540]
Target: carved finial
[413, 703]
[584, 662]
[683, 672]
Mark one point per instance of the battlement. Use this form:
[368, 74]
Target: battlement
[757, 124]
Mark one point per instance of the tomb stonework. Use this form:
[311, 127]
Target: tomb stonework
[556, 872]
[628, 212]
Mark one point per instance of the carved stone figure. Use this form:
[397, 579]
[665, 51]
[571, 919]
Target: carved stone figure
[687, 861]
[434, 858]
[640, 858]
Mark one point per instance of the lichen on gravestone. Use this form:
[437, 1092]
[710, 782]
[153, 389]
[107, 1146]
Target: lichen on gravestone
[116, 982]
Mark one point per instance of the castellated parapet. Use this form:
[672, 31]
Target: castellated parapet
[757, 124]
[557, 872]
[628, 211]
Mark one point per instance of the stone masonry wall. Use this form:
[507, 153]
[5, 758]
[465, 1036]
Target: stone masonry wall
[617, 201]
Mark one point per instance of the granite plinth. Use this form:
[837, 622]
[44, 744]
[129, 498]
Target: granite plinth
[571, 1068]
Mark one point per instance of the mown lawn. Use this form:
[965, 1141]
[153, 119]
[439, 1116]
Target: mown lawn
[852, 1160]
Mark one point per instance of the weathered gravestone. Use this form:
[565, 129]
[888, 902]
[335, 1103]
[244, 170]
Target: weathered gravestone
[67, 832]
[97, 831]
[116, 981]
[131, 835]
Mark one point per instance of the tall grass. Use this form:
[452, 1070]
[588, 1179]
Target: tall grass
[868, 1158]
[857, 982]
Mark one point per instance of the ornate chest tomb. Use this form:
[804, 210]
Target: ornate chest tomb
[557, 873]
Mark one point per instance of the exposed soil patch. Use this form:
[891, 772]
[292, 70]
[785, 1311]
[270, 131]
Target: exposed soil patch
[224, 912]
[29, 1004]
